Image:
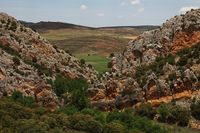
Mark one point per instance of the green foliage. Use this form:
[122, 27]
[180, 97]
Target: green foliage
[183, 61]
[146, 110]
[97, 61]
[90, 66]
[96, 114]
[174, 114]
[79, 99]
[69, 110]
[172, 76]
[60, 85]
[76, 87]
[195, 110]
[82, 61]
[85, 123]
[109, 64]
[182, 115]
[170, 59]
[133, 122]
[30, 126]
[114, 127]
[164, 112]
[63, 84]
[15, 117]
[26, 101]
[112, 55]
[17, 95]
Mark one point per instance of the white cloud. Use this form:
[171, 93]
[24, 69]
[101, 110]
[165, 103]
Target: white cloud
[185, 9]
[135, 2]
[141, 10]
[101, 14]
[83, 7]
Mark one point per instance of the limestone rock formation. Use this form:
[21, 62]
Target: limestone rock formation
[27, 60]
[153, 69]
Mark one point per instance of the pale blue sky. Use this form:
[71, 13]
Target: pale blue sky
[97, 12]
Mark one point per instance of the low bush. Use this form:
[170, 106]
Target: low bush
[85, 123]
[174, 114]
[114, 127]
[24, 100]
[145, 109]
[195, 110]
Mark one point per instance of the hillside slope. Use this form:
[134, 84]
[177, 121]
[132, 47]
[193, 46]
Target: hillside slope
[88, 40]
[159, 66]
[28, 62]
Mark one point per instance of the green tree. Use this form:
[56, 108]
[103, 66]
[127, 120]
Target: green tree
[79, 99]
[195, 110]
[60, 85]
[82, 61]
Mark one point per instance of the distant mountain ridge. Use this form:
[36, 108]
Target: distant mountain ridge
[50, 25]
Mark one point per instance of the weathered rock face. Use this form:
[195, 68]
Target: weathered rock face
[150, 68]
[34, 52]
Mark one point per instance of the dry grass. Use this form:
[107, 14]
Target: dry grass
[100, 41]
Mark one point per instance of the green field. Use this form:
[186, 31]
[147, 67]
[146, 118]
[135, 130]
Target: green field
[97, 61]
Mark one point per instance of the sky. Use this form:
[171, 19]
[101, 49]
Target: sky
[98, 13]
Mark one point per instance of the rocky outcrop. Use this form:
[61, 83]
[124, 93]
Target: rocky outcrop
[151, 69]
[27, 60]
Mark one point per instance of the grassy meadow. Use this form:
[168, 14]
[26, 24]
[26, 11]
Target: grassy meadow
[97, 61]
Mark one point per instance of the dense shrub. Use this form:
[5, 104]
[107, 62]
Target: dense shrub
[25, 100]
[96, 114]
[172, 76]
[133, 122]
[182, 61]
[181, 115]
[146, 110]
[17, 95]
[60, 85]
[164, 112]
[195, 110]
[15, 117]
[30, 126]
[85, 123]
[69, 110]
[174, 114]
[82, 61]
[112, 55]
[109, 65]
[63, 84]
[114, 127]
[79, 99]
[90, 66]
